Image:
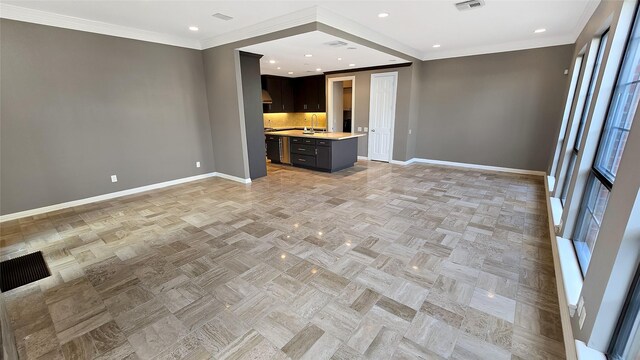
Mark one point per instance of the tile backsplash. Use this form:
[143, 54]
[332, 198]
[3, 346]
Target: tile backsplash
[281, 120]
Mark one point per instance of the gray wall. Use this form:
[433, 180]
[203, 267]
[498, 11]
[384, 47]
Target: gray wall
[77, 107]
[254, 124]
[362, 88]
[498, 109]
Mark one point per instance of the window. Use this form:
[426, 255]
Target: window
[626, 337]
[583, 118]
[573, 94]
[612, 141]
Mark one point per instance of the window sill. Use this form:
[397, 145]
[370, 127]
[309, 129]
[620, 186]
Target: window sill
[556, 212]
[586, 353]
[571, 275]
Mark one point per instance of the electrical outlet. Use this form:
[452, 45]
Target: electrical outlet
[198, 164]
[114, 178]
[566, 71]
[409, 131]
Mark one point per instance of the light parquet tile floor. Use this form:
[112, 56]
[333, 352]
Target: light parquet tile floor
[378, 261]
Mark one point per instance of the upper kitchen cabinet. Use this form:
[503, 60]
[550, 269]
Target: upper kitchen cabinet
[310, 94]
[305, 94]
[281, 92]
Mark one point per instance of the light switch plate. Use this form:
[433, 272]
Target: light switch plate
[366, 129]
[582, 317]
[197, 164]
[359, 128]
[114, 178]
[409, 131]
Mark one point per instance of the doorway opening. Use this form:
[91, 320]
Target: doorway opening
[341, 104]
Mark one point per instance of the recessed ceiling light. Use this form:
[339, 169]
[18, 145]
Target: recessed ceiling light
[193, 28]
[308, 55]
[538, 31]
[318, 69]
[339, 59]
[272, 61]
[278, 68]
[352, 65]
[290, 73]
[383, 15]
[436, 46]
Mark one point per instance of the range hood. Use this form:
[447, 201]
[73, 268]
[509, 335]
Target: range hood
[266, 98]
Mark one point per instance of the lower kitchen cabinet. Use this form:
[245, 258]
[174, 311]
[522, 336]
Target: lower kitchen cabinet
[324, 155]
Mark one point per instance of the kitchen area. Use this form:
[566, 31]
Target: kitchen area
[296, 128]
[306, 106]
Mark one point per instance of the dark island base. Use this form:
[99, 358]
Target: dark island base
[322, 155]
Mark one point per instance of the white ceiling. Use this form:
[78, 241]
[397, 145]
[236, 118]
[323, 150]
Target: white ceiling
[413, 27]
[289, 55]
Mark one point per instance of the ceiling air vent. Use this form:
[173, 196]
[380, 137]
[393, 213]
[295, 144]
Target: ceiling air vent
[470, 4]
[336, 43]
[222, 16]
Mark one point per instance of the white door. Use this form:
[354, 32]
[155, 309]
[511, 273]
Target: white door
[382, 115]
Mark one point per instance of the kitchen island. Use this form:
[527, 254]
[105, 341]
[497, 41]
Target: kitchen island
[323, 151]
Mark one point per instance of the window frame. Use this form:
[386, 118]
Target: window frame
[603, 40]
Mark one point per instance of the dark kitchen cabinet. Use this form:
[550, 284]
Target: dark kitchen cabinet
[310, 94]
[305, 94]
[281, 92]
[323, 157]
[273, 148]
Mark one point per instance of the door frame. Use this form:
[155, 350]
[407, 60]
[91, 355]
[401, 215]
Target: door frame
[330, 115]
[393, 121]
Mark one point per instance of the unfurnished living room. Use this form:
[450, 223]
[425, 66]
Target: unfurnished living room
[435, 179]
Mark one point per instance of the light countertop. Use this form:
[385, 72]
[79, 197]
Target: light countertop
[317, 135]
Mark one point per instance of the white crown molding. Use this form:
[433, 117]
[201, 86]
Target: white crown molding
[117, 194]
[498, 48]
[297, 18]
[69, 22]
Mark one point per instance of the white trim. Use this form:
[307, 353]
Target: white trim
[476, 166]
[330, 114]
[233, 178]
[69, 22]
[400, 162]
[395, 104]
[556, 212]
[365, 158]
[552, 183]
[587, 353]
[117, 194]
[565, 318]
[571, 274]
[287, 21]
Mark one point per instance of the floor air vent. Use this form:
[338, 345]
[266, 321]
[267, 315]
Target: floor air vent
[22, 270]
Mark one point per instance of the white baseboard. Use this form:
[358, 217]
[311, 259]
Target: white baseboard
[233, 178]
[475, 166]
[362, 157]
[113, 195]
[565, 317]
[400, 162]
